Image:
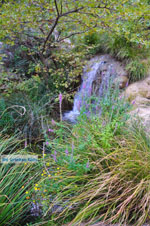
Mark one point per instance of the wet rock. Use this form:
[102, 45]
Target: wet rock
[110, 66]
[99, 74]
[122, 80]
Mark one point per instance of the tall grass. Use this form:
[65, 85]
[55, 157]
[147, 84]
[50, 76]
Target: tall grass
[137, 69]
[115, 187]
[16, 184]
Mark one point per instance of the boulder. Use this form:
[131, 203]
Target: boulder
[122, 80]
[138, 94]
[139, 90]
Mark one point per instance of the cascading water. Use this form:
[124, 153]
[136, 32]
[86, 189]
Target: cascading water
[96, 77]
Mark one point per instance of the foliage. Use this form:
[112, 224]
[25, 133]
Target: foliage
[41, 47]
[95, 168]
[91, 38]
[129, 18]
[29, 112]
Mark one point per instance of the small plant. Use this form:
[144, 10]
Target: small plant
[91, 38]
[137, 70]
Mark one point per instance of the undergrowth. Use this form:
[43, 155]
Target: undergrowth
[100, 172]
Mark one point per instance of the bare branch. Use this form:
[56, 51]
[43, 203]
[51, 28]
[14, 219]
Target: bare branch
[72, 11]
[56, 6]
[61, 8]
[75, 33]
[50, 32]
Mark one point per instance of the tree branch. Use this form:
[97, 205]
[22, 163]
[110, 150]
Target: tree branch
[75, 33]
[50, 33]
[72, 11]
[56, 22]
[56, 6]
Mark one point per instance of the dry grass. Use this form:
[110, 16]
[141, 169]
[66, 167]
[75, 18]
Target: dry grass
[118, 189]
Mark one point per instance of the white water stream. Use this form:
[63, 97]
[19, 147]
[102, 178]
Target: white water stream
[97, 72]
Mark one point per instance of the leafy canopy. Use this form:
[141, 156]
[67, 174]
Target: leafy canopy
[40, 18]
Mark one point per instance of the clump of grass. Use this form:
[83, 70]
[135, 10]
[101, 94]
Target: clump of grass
[137, 69]
[15, 184]
[116, 188]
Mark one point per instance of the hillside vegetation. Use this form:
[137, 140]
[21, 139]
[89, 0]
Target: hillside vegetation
[92, 171]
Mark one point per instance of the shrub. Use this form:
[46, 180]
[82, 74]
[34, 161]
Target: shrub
[91, 38]
[137, 70]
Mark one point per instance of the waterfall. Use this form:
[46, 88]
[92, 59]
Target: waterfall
[95, 80]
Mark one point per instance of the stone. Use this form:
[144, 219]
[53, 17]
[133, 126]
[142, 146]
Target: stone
[138, 89]
[114, 68]
[138, 94]
[122, 80]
